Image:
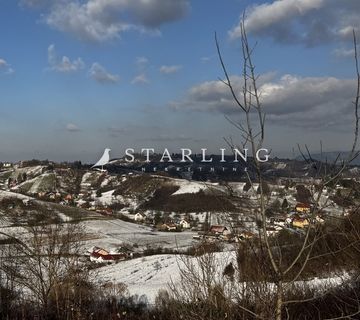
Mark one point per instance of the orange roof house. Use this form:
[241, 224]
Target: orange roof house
[302, 207]
[100, 255]
[300, 223]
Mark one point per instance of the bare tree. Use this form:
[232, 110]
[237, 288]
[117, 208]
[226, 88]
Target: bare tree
[272, 271]
[47, 266]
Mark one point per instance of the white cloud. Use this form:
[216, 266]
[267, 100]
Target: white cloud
[140, 79]
[72, 127]
[310, 22]
[170, 69]
[288, 100]
[101, 75]
[205, 59]
[100, 20]
[344, 53]
[142, 65]
[63, 64]
[142, 61]
[5, 68]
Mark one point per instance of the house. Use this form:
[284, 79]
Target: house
[302, 207]
[105, 211]
[246, 235]
[300, 222]
[41, 194]
[99, 255]
[319, 219]
[27, 202]
[51, 196]
[184, 224]
[271, 231]
[279, 221]
[139, 217]
[288, 221]
[68, 197]
[168, 227]
[219, 230]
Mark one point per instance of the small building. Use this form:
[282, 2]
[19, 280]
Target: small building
[300, 223]
[246, 235]
[41, 194]
[7, 165]
[271, 231]
[68, 197]
[219, 230]
[302, 207]
[168, 227]
[104, 211]
[99, 255]
[184, 224]
[139, 217]
[319, 219]
[280, 221]
[52, 196]
[27, 202]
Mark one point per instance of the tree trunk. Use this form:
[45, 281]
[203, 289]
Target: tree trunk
[279, 301]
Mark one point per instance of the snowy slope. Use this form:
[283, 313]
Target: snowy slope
[146, 276]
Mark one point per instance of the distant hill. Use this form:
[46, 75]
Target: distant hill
[332, 156]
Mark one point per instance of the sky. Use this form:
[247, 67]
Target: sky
[79, 76]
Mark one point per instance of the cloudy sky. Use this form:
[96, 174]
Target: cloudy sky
[79, 76]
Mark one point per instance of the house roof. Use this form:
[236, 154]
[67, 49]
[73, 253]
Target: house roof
[219, 229]
[106, 255]
[303, 205]
[100, 251]
[140, 213]
[247, 234]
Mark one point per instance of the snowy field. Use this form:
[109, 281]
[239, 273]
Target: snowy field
[146, 276]
[113, 233]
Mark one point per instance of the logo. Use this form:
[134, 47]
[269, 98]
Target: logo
[261, 155]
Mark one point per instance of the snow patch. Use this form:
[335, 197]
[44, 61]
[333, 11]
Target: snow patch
[190, 187]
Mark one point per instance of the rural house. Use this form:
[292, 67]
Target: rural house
[302, 207]
[139, 217]
[184, 224]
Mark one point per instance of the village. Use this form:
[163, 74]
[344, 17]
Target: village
[147, 201]
[101, 193]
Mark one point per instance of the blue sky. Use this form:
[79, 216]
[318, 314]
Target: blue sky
[79, 76]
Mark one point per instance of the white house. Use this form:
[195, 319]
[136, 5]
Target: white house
[271, 231]
[139, 217]
[184, 224]
[6, 165]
